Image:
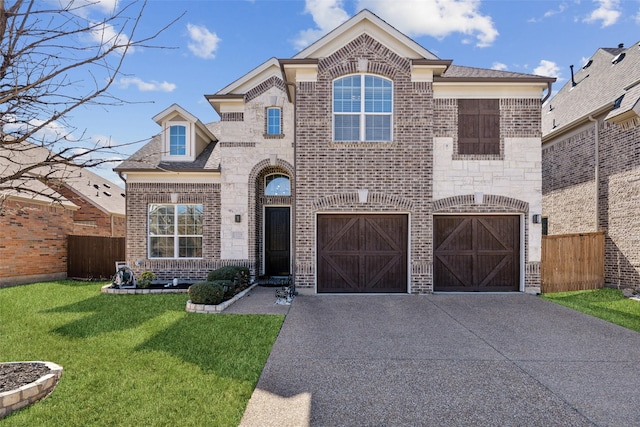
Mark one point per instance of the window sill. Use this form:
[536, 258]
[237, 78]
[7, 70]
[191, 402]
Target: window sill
[363, 144]
[478, 157]
[269, 136]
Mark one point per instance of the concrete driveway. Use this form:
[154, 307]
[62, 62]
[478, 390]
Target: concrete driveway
[446, 360]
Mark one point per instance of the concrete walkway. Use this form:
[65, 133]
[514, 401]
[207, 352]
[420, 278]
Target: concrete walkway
[446, 360]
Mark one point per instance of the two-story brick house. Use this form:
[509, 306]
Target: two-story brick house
[591, 158]
[362, 164]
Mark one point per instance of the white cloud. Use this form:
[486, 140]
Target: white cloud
[106, 34]
[84, 7]
[637, 17]
[436, 18]
[608, 12]
[103, 141]
[51, 132]
[203, 43]
[152, 86]
[327, 14]
[547, 69]
[559, 10]
[499, 66]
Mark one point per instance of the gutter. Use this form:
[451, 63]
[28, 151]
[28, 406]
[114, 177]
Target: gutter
[596, 168]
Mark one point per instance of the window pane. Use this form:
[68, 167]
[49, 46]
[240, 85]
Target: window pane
[161, 247]
[378, 95]
[189, 219]
[190, 247]
[177, 140]
[161, 219]
[347, 128]
[346, 95]
[378, 128]
[273, 121]
[277, 185]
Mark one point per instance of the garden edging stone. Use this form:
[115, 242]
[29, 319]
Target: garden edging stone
[212, 309]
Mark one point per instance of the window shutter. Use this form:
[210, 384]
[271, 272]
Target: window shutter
[478, 126]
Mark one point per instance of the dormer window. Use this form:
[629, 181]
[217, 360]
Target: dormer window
[177, 140]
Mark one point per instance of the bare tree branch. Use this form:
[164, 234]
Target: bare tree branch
[44, 50]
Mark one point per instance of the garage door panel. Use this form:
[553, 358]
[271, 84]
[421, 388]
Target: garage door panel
[362, 253]
[477, 253]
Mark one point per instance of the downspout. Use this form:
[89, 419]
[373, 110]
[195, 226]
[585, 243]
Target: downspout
[596, 169]
[295, 181]
[548, 93]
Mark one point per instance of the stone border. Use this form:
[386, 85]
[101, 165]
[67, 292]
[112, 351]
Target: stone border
[13, 400]
[214, 309]
[107, 289]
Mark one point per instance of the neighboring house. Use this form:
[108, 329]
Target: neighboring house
[591, 158]
[364, 163]
[36, 219]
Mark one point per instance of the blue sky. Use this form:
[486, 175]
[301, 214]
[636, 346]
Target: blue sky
[218, 41]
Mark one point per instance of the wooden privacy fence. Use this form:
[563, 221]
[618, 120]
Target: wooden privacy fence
[92, 257]
[572, 262]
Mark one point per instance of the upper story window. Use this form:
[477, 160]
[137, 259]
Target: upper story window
[177, 140]
[478, 126]
[175, 231]
[274, 121]
[362, 108]
[277, 185]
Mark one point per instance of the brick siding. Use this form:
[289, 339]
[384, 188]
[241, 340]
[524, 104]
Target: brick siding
[569, 193]
[34, 241]
[140, 195]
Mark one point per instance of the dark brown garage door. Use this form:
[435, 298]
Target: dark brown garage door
[362, 253]
[476, 253]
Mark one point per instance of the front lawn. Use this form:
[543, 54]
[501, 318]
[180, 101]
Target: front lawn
[605, 303]
[132, 359]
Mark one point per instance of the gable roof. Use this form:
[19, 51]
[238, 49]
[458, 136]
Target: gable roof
[100, 192]
[598, 84]
[366, 22]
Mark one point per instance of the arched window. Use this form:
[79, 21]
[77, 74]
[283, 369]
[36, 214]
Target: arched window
[362, 108]
[277, 185]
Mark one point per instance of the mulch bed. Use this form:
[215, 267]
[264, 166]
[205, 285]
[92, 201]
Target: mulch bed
[15, 375]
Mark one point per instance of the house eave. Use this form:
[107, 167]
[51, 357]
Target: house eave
[576, 123]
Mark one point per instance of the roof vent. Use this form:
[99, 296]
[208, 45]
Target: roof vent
[588, 64]
[573, 81]
[621, 46]
[122, 194]
[106, 193]
[96, 186]
[107, 185]
[617, 103]
[618, 58]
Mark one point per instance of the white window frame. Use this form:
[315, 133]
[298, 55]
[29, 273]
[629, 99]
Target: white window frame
[362, 113]
[279, 121]
[187, 140]
[277, 174]
[175, 235]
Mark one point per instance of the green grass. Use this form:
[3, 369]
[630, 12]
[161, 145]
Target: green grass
[132, 359]
[606, 303]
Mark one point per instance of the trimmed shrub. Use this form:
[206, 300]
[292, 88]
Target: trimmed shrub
[228, 286]
[209, 293]
[228, 273]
